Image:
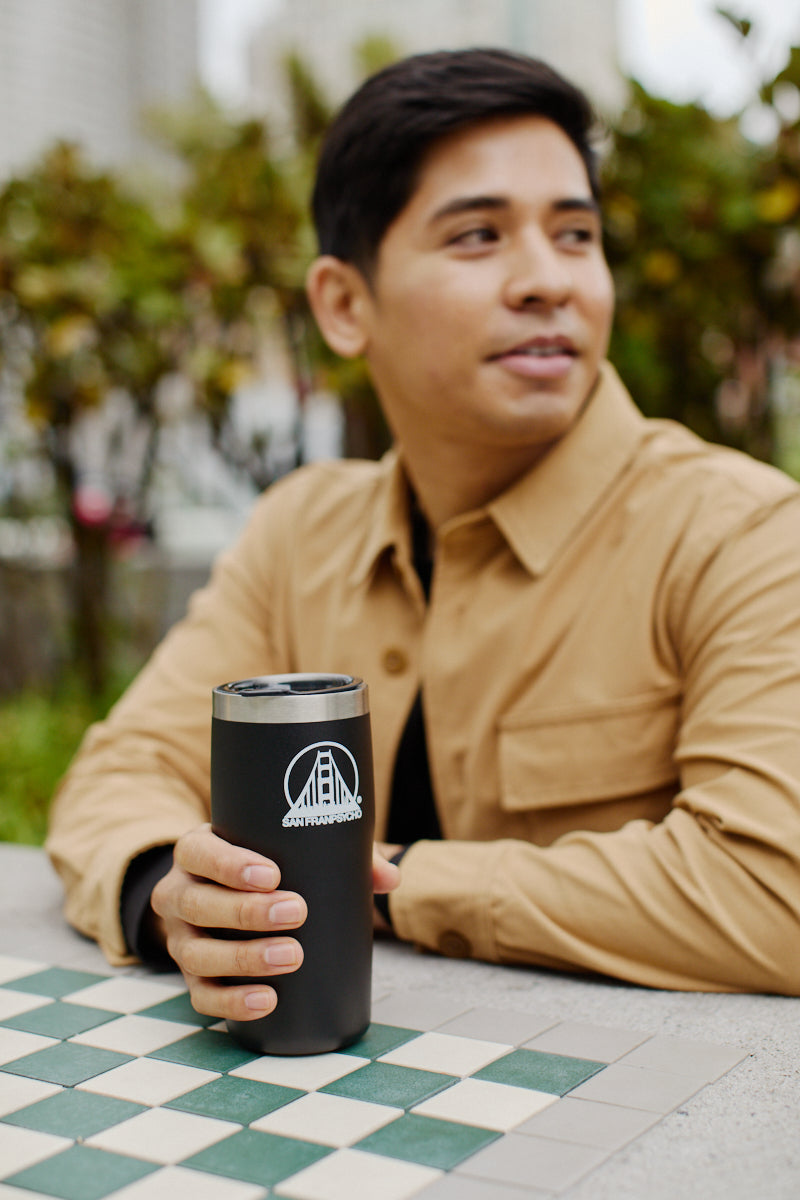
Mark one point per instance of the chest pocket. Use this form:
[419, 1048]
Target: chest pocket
[588, 754]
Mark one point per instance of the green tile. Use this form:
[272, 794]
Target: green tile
[255, 1157]
[81, 1173]
[74, 1114]
[428, 1141]
[208, 1049]
[66, 1063]
[556, 1074]
[380, 1039]
[178, 1008]
[385, 1083]
[60, 1020]
[55, 981]
[234, 1099]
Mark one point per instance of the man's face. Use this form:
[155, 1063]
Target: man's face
[491, 302]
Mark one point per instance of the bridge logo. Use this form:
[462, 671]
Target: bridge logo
[321, 786]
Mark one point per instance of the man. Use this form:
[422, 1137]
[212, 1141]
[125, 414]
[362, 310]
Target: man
[580, 629]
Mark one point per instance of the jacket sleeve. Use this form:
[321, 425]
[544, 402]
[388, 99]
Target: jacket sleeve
[709, 897]
[141, 777]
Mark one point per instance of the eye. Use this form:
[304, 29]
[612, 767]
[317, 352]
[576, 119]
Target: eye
[577, 236]
[477, 235]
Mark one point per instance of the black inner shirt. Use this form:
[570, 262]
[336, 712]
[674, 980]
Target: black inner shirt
[412, 807]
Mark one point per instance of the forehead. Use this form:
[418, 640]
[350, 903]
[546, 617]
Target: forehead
[515, 157]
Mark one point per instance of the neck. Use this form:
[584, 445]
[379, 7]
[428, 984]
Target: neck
[451, 479]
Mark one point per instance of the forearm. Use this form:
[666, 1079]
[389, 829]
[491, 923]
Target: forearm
[666, 906]
[97, 829]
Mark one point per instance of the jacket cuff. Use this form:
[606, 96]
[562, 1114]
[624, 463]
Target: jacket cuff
[142, 875]
[443, 902]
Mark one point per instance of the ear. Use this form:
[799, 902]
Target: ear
[340, 299]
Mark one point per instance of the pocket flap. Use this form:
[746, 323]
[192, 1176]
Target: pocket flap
[588, 753]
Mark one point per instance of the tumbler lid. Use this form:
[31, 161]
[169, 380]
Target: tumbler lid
[303, 697]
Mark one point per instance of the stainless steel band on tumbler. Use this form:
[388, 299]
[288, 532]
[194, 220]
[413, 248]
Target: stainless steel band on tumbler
[303, 698]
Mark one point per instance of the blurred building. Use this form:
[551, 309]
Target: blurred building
[575, 36]
[84, 70]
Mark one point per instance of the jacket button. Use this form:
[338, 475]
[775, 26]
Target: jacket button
[395, 661]
[454, 945]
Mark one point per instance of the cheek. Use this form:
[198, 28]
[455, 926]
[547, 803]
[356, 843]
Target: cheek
[434, 323]
[598, 302]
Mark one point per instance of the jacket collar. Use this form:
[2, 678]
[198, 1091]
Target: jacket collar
[541, 511]
[538, 514]
[390, 524]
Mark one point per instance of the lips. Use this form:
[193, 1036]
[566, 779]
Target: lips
[538, 358]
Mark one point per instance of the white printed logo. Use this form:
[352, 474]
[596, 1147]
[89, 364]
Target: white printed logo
[321, 786]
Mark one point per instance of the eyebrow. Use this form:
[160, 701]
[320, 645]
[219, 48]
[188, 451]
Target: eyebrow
[465, 204]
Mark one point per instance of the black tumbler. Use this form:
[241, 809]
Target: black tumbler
[291, 778]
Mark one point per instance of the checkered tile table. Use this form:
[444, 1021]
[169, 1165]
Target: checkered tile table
[112, 1086]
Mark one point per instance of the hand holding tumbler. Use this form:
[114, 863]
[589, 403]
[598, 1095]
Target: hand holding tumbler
[291, 778]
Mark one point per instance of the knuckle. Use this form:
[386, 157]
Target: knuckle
[159, 897]
[192, 957]
[243, 957]
[190, 905]
[175, 948]
[249, 914]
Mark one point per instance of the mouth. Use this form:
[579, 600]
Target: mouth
[539, 358]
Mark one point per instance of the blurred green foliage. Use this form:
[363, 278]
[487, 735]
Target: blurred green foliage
[39, 733]
[703, 237]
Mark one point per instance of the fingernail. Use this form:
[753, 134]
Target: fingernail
[259, 1001]
[280, 956]
[286, 912]
[261, 877]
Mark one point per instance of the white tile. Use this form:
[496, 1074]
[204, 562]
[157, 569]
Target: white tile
[417, 1010]
[134, 1035]
[18, 968]
[16, 1044]
[305, 1071]
[458, 1187]
[445, 1053]
[635, 1087]
[180, 1183]
[18, 1092]
[331, 1120]
[492, 1023]
[590, 1123]
[680, 1056]
[13, 1193]
[12, 1003]
[520, 1160]
[163, 1135]
[580, 1040]
[148, 1081]
[23, 1148]
[355, 1175]
[489, 1105]
[125, 994]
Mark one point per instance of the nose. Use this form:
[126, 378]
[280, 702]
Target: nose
[538, 274]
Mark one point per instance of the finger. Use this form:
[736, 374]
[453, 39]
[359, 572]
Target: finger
[200, 852]
[214, 958]
[240, 1002]
[385, 875]
[208, 906]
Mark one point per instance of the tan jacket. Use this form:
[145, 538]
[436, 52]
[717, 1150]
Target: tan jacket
[611, 673]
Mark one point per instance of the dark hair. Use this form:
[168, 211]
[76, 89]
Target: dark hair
[375, 146]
